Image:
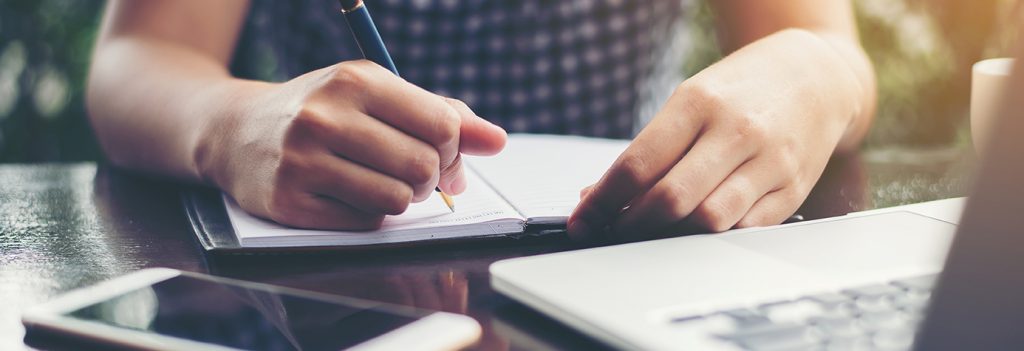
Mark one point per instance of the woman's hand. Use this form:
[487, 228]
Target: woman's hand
[739, 144]
[341, 147]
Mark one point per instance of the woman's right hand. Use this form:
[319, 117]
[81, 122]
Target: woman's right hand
[340, 147]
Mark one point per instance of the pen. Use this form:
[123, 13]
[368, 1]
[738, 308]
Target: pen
[372, 46]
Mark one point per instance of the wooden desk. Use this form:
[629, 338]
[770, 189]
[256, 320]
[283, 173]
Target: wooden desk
[70, 225]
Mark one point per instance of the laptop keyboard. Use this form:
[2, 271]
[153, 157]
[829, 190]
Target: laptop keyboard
[872, 317]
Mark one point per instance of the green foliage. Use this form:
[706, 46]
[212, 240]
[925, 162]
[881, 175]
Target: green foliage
[44, 53]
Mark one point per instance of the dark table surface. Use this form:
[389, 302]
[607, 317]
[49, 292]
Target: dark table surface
[64, 226]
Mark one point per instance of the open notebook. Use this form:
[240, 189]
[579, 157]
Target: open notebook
[535, 180]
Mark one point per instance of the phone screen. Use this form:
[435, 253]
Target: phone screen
[239, 317]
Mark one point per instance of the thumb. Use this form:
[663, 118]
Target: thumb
[478, 136]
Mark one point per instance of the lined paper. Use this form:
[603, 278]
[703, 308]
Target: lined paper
[537, 178]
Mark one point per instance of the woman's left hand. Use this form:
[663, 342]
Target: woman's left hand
[740, 144]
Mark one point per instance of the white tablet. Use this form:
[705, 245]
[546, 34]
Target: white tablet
[166, 309]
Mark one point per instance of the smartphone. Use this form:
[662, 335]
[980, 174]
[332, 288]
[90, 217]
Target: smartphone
[167, 309]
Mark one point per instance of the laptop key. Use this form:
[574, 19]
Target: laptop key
[894, 339]
[795, 346]
[711, 324]
[855, 343]
[745, 317]
[829, 299]
[910, 303]
[686, 319]
[873, 305]
[837, 327]
[773, 336]
[873, 291]
[844, 310]
[791, 311]
[921, 283]
[884, 320]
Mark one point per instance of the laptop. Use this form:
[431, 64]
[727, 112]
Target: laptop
[891, 280]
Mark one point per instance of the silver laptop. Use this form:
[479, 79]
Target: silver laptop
[854, 282]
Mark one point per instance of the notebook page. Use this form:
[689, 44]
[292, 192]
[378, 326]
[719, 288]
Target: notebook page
[541, 175]
[478, 204]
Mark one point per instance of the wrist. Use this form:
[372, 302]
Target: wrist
[852, 55]
[228, 104]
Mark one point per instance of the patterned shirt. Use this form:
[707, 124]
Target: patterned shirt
[584, 67]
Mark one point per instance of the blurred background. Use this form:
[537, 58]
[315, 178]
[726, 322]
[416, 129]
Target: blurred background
[922, 49]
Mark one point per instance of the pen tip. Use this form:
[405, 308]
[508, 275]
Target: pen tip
[448, 201]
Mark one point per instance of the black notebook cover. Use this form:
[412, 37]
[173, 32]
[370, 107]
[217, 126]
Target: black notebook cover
[205, 210]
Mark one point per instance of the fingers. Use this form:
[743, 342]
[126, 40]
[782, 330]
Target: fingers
[732, 199]
[586, 191]
[406, 107]
[355, 185]
[773, 208]
[477, 136]
[658, 147]
[396, 102]
[453, 179]
[400, 104]
[371, 143]
[446, 124]
[305, 210]
[361, 141]
[683, 188]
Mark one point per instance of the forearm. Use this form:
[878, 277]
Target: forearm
[153, 104]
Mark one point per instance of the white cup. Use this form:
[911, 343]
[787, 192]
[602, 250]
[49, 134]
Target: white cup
[988, 84]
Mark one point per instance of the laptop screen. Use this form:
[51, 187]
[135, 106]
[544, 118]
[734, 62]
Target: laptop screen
[979, 302]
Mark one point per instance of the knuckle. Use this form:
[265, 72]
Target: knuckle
[349, 75]
[673, 196]
[797, 192]
[727, 201]
[633, 168]
[422, 167]
[291, 166]
[458, 104]
[309, 117]
[713, 215]
[748, 130]
[446, 126]
[396, 200]
[676, 190]
[703, 94]
[305, 125]
[787, 163]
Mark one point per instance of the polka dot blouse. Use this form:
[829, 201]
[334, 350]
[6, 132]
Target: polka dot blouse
[583, 67]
